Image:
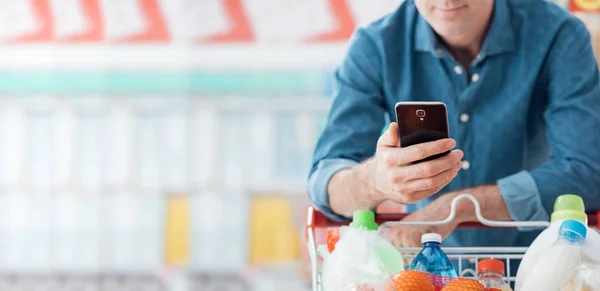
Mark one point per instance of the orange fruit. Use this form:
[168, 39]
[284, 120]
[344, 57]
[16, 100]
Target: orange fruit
[411, 281]
[464, 285]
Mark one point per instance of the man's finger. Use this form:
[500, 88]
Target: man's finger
[417, 195]
[405, 156]
[390, 137]
[424, 150]
[431, 168]
[429, 183]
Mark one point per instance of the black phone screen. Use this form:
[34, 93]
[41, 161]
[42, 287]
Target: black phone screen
[420, 123]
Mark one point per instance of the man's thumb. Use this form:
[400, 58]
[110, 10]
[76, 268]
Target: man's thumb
[390, 137]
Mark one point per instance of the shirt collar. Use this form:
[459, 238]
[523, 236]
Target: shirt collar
[499, 39]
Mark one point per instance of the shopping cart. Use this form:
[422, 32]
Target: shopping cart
[316, 220]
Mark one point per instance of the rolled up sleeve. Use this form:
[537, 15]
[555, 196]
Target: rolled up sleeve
[319, 180]
[523, 199]
[355, 120]
[572, 124]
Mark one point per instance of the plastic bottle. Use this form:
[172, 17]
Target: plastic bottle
[361, 256]
[432, 259]
[491, 274]
[554, 268]
[388, 254]
[566, 206]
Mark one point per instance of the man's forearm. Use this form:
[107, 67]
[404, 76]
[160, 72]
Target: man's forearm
[490, 199]
[351, 189]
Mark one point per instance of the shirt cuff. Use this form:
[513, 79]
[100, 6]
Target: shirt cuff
[318, 181]
[522, 197]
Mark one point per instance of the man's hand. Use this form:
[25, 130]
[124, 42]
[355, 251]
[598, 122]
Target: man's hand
[391, 174]
[396, 178]
[492, 207]
[410, 236]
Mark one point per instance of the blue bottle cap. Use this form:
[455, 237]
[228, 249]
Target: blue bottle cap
[575, 226]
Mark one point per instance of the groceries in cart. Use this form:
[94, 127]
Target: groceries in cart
[566, 207]
[586, 279]
[464, 284]
[565, 257]
[432, 259]
[557, 265]
[363, 260]
[412, 280]
[362, 257]
[491, 274]
[333, 236]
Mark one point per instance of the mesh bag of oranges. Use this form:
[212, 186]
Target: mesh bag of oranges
[418, 281]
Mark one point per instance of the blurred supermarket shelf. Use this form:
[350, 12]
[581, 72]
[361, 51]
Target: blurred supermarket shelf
[223, 89]
[89, 185]
[109, 143]
[274, 280]
[81, 283]
[57, 241]
[187, 22]
[166, 57]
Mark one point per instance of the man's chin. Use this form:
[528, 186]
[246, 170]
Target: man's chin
[455, 36]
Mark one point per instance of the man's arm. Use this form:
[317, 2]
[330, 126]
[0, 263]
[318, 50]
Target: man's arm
[490, 201]
[338, 183]
[573, 130]
[354, 123]
[573, 127]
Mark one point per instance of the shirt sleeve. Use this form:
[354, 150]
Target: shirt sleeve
[355, 120]
[572, 125]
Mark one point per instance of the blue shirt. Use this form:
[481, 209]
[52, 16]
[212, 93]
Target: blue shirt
[532, 100]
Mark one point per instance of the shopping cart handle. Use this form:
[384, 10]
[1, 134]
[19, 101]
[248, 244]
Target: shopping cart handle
[316, 219]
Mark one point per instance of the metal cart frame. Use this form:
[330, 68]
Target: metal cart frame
[317, 220]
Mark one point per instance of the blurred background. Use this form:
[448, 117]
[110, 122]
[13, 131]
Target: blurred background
[165, 144]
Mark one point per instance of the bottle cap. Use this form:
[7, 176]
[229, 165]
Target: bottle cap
[490, 265]
[574, 226]
[569, 206]
[364, 219]
[431, 237]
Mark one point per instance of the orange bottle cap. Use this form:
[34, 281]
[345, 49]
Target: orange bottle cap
[490, 265]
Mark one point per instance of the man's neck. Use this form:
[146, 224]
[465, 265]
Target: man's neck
[465, 55]
[466, 48]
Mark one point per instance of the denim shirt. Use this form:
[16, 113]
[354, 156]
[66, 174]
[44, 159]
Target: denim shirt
[526, 112]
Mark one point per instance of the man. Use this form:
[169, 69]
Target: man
[523, 94]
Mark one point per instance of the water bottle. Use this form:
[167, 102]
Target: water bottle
[490, 273]
[432, 259]
[554, 268]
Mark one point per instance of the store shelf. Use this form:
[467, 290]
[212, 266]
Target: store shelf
[170, 57]
[191, 81]
[219, 232]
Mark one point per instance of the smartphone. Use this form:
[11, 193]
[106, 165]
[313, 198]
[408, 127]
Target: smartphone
[420, 122]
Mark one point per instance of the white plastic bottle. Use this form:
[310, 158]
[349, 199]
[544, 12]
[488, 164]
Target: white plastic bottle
[553, 268]
[565, 207]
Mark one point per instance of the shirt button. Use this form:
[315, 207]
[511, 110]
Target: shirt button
[458, 70]
[439, 51]
[464, 117]
[475, 78]
[466, 165]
